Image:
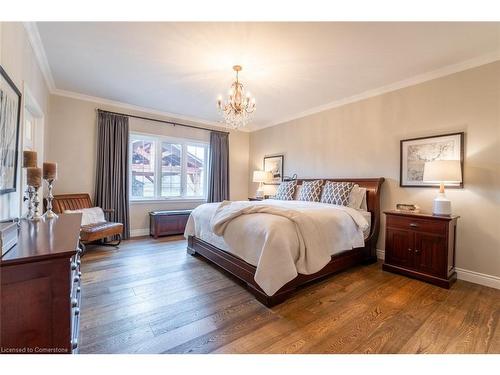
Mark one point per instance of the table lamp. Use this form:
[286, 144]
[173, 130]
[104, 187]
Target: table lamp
[442, 172]
[260, 177]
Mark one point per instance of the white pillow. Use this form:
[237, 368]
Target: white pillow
[357, 198]
[89, 215]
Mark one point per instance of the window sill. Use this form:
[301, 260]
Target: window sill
[170, 200]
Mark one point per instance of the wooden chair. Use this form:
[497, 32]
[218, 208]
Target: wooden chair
[92, 232]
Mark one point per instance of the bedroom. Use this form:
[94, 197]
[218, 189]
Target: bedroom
[195, 189]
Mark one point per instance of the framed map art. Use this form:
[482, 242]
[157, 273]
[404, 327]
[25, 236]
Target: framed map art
[414, 153]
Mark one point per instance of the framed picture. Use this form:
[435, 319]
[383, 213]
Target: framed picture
[274, 164]
[414, 153]
[10, 112]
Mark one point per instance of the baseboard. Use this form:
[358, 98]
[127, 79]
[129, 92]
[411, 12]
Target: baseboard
[466, 275]
[380, 254]
[139, 232]
[478, 278]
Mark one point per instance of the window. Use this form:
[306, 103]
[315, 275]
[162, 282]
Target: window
[164, 168]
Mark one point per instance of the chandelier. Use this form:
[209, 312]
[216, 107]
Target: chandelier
[237, 109]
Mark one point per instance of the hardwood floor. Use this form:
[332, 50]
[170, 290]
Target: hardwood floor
[151, 297]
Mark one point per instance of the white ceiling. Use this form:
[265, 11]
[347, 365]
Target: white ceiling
[290, 68]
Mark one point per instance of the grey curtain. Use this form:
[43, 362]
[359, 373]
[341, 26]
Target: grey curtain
[218, 184]
[111, 186]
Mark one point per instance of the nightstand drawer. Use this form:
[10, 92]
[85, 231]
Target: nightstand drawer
[417, 224]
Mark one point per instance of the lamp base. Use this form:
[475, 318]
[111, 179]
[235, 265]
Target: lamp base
[442, 205]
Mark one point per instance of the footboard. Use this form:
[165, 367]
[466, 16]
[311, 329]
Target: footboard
[245, 272]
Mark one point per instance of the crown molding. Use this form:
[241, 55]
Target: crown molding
[37, 45]
[421, 78]
[132, 107]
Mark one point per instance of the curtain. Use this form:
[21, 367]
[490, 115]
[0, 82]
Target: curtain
[111, 183]
[218, 184]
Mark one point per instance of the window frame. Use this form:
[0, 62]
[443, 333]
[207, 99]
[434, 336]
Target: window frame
[157, 140]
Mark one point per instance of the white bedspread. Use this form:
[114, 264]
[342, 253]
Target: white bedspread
[280, 238]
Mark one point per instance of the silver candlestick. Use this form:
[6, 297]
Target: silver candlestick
[36, 202]
[49, 214]
[29, 194]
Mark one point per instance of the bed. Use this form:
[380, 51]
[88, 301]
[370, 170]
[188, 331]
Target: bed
[328, 259]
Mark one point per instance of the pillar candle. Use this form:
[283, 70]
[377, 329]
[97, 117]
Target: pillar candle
[29, 159]
[34, 176]
[49, 171]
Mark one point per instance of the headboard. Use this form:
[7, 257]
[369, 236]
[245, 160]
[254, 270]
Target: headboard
[372, 186]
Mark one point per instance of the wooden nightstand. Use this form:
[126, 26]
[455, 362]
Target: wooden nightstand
[255, 199]
[421, 246]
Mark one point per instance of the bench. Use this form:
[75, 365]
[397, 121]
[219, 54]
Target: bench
[168, 222]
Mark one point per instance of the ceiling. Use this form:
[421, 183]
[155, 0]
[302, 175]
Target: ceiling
[291, 68]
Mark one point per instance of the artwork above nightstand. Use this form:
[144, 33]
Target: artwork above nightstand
[421, 246]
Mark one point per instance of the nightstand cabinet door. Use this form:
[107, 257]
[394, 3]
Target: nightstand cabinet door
[430, 254]
[399, 247]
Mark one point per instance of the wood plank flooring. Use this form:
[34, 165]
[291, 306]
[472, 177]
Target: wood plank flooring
[149, 296]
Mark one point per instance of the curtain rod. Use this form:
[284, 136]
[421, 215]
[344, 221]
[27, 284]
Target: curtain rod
[162, 121]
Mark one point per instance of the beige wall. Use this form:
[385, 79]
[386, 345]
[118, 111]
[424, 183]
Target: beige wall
[362, 140]
[71, 142]
[18, 60]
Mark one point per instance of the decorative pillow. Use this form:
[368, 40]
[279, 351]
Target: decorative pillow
[356, 197]
[285, 190]
[337, 193]
[310, 191]
[89, 215]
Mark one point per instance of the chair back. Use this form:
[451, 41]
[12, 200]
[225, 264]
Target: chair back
[64, 202]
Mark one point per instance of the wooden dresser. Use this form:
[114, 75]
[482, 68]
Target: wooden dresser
[421, 246]
[40, 288]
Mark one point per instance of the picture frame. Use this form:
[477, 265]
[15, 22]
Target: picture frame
[415, 152]
[10, 113]
[274, 164]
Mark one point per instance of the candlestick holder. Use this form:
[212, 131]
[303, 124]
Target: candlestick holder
[49, 214]
[36, 202]
[28, 198]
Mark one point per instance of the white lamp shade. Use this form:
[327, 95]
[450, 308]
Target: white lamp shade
[446, 171]
[261, 176]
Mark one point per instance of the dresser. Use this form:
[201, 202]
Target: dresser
[40, 288]
[421, 246]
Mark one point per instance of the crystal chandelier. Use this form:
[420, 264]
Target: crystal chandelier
[237, 109]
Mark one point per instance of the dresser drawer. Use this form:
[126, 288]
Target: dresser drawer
[417, 224]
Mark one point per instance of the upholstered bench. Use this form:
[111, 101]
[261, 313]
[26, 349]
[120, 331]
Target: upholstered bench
[166, 223]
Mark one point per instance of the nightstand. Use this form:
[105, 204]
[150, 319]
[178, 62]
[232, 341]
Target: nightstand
[421, 246]
[255, 199]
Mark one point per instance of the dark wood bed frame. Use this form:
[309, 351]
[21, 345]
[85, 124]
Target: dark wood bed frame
[339, 262]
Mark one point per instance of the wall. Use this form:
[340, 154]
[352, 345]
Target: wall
[18, 60]
[362, 140]
[71, 142]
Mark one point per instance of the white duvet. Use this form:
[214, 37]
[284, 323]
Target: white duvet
[280, 238]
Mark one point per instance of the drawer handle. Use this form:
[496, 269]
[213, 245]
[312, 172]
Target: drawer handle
[417, 251]
[413, 225]
[79, 274]
[73, 266]
[409, 249]
[76, 279]
[77, 311]
[78, 289]
[74, 344]
[74, 302]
